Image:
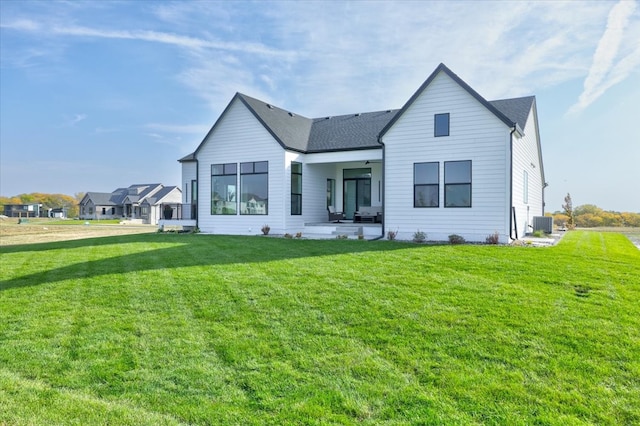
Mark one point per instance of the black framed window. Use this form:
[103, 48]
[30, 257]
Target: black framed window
[426, 184]
[254, 188]
[457, 183]
[441, 125]
[331, 192]
[224, 179]
[296, 188]
[194, 199]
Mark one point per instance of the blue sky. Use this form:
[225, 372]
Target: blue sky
[99, 95]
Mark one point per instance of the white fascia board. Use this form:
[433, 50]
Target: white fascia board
[344, 156]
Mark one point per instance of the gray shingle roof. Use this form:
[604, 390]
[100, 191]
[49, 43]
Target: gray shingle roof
[348, 132]
[516, 109]
[299, 133]
[158, 196]
[101, 198]
[187, 158]
[289, 129]
[356, 131]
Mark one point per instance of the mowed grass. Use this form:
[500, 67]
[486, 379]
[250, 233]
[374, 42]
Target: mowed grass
[196, 329]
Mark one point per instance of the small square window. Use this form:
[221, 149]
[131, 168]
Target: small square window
[441, 125]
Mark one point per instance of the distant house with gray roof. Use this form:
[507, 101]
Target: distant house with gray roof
[447, 162]
[141, 202]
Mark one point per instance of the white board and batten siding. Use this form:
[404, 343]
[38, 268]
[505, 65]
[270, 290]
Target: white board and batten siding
[237, 138]
[475, 134]
[526, 158]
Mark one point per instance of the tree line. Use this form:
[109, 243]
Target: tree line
[592, 216]
[48, 201]
[584, 216]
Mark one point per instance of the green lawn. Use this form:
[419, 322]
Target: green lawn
[196, 329]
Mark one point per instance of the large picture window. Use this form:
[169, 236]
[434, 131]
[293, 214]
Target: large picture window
[296, 188]
[457, 183]
[426, 185]
[254, 188]
[224, 179]
[441, 125]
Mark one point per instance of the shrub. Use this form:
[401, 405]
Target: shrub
[456, 239]
[419, 236]
[360, 237]
[391, 235]
[342, 237]
[298, 234]
[539, 233]
[493, 238]
[287, 235]
[265, 229]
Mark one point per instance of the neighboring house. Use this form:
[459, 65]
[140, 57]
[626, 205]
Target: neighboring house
[137, 202]
[23, 210]
[164, 204]
[57, 213]
[448, 162]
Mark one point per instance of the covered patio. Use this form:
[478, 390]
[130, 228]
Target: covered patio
[348, 228]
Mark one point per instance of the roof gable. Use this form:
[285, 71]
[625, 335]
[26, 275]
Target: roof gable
[356, 131]
[98, 198]
[292, 131]
[443, 68]
[160, 195]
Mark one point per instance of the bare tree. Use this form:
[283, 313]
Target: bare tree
[568, 210]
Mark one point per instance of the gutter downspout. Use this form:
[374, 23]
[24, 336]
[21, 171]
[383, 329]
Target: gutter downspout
[197, 195]
[384, 215]
[511, 224]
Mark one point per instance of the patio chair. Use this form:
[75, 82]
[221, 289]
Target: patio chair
[335, 216]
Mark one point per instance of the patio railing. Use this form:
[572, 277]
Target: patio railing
[174, 211]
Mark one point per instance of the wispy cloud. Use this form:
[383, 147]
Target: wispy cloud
[350, 57]
[72, 121]
[178, 40]
[604, 73]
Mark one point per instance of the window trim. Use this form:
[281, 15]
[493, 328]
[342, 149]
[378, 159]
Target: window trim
[469, 184]
[437, 134]
[417, 185]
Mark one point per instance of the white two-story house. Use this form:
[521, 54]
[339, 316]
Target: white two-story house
[447, 162]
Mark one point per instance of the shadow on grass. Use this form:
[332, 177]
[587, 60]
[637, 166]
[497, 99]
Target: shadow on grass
[185, 250]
